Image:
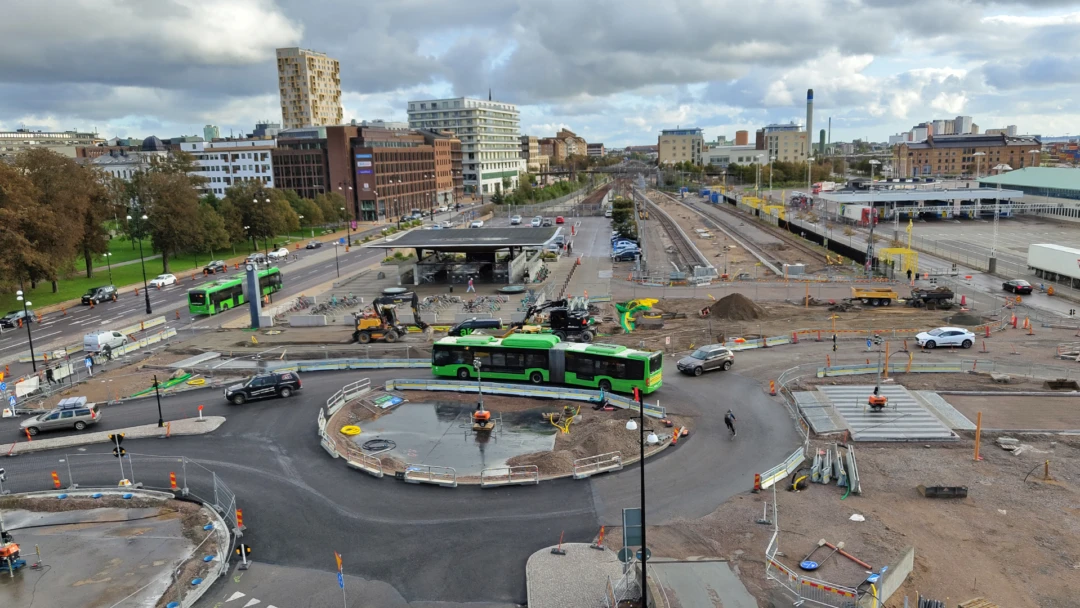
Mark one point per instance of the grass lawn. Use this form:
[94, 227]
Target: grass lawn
[182, 266]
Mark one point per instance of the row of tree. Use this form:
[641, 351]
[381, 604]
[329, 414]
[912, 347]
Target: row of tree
[527, 194]
[54, 211]
[782, 172]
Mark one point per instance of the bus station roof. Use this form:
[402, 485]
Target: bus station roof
[468, 239]
[865, 197]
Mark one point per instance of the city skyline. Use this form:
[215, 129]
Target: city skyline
[612, 76]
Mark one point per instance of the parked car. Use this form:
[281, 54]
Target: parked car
[515, 220]
[607, 213]
[945, 336]
[71, 413]
[97, 295]
[1017, 286]
[447, 224]
[100, 341]
[313, 245]
[559, 220]
[215, 267]
[548, 222]
[255, 258]
[162, 280]
[264, 386]
[12, 318]
[279, 254]
[707, 358]
[626, 255]
[477, 224]
[536, 222]
[443, 208]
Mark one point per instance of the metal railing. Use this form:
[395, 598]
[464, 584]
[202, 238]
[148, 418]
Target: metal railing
[782, 470]
[805, 589]
[504, 476]
[591, 465]
[427, 473]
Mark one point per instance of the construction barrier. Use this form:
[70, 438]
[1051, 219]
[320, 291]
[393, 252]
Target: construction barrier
[347, 394]
[509, 476]
[601, 463]
[903, 367]
[362, 462]
[765, 480]
[525, 390]
[804, 588]
[435, 475]
[127, 331]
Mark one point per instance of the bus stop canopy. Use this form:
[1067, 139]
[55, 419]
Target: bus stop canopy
[469, 239]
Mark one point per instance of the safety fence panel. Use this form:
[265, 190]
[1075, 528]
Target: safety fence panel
[601, 463]
[356, 389]
[426, 473]
[653, 410]
[782, 470]
[328, 445]
[507, 476]
[144, 342]
[361, 461]
[777, 571]
[322, 421]
[827, 594]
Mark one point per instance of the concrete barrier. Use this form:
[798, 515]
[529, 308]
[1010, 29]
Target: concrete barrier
[782, 470]
[893, 577]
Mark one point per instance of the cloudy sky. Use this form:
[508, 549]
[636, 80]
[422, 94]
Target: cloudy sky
[613, 71]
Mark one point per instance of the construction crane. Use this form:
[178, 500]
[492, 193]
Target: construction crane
[563, 322]
[380, 320]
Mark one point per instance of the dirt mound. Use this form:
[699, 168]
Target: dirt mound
[965, 320]
[547, 463]
[737, 307]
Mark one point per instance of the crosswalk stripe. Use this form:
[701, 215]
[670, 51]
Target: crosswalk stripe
[251, 602]
[235, 596]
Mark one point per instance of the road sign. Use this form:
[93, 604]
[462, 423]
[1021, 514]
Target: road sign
[3, 386]
[631, 519]
[11, 401]
[340, 581]
[624, 555]
[341, 241]
[648, 554]
[869, 343]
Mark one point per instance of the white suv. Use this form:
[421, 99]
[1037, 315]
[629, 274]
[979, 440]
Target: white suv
[536, 222]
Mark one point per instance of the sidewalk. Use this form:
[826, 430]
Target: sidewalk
[578, 578]
[186, 426]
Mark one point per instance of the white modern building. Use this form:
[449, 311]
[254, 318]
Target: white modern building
[490, 134]
[899, 138]
[722, 156]
[124, 164]
[224, 163]
[962, 125]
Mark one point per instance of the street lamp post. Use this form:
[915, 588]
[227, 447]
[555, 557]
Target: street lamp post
[771, 158]
[1035, 163]
[479, 389]
[978, 161]
[348, 228]
[873, 222]
[26, 322]
[631, 425]
[157, 393]
[997, 214]
[108, 261]
[336, 266]
[142, 261]
[348, 220]
[809, 187]
[266, 237]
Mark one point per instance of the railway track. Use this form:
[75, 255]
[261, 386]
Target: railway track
[686, 256]
[730, 218]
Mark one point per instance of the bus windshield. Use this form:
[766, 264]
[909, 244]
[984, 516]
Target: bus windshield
[197, 297]
[656, 362]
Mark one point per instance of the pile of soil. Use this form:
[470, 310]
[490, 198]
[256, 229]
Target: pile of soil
[596, 433]
[965, 320]
[737, 307]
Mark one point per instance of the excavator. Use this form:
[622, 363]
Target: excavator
[380, 320]
[563, 323]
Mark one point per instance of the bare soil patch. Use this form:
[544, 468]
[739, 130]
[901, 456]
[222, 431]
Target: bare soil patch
[1019, 412]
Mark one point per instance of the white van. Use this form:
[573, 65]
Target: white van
[96, 341]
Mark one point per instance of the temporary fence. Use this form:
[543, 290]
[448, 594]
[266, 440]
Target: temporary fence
[74, 348]
[524, 390]
[782, 470]
[805, 589]
[493, 477]
[601, 463]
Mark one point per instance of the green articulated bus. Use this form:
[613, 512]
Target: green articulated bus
[224, 294]
[540, 358]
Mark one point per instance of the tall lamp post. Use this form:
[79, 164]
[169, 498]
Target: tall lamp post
[266, 237]
[26, 322]
[757, 174]
[108, 260]
[336, 266]
[142, 261]
[157, 393]
[771, 158]
[348, 220]
[632, 425]
[873, 222]
[997, 214]
[809, 187]
[1034, 162]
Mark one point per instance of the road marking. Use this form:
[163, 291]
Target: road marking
[39, 336]
[251, 602]
[235, 596]
[12, 346]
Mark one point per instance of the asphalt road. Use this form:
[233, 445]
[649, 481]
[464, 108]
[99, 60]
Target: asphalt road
[431, 543]
[59, 329]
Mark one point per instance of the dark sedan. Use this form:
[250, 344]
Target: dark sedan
[1017, 286]
[215, 267]
[313, 245]
[12, 319]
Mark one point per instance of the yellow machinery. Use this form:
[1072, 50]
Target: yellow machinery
[380, 320]
[874, 296]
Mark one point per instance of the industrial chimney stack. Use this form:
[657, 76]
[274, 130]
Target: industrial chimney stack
[809, 122]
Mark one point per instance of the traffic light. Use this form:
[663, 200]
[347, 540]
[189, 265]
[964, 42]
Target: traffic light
[119, 452]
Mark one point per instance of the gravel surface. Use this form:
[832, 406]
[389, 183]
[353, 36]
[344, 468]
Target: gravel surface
[577, 579]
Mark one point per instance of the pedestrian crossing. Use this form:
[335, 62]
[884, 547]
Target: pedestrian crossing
[249, 604]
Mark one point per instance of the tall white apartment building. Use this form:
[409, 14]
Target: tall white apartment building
[309, 83]
[224, 163]
[490, 134]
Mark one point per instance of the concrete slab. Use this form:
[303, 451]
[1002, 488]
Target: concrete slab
[817, 410]
[905, 418]
[197, 359]
[701, 583]
[578, 578]
[945, 411]
[94, 561]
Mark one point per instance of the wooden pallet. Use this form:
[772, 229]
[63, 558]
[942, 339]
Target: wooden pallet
[978, 603]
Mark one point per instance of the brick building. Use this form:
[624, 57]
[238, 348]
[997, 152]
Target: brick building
[954, 155]
[300, 164]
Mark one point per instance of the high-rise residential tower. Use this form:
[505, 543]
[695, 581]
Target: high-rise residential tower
[310, 86]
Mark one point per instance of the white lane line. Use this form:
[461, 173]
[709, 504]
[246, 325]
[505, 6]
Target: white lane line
[39, 336]
[13, 346]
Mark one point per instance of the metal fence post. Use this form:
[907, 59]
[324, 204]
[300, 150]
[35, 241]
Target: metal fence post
[71, 481]
[217, 502]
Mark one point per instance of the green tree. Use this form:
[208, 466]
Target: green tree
[22, 217]
[264, 212]
[98, 206]
[171, 204]
[212, 225]
[331, 206]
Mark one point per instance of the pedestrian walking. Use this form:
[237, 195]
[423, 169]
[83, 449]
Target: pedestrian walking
[471, 289]
[49, 376]
[834, 343]
[909, 275]
[89, 364]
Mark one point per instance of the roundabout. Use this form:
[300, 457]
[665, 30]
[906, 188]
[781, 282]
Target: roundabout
[407, 543]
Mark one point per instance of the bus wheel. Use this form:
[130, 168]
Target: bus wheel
[605, 386]
[463, 373]
[536, 377]
[363, 337]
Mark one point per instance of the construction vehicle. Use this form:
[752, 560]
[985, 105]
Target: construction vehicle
[9, 551]
[874, 296]
[380, 320]
[563, 322]
[932, 299]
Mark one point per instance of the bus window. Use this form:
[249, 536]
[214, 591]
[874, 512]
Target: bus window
[197, 298]
[656, 362]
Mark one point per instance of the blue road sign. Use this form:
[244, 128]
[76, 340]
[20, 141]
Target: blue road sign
[11, 401]
[340, 581]
[869, 343]
[341, 241]
[3, 386]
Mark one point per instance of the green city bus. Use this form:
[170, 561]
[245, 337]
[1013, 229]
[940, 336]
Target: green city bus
[540, 358]
[224, 294]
